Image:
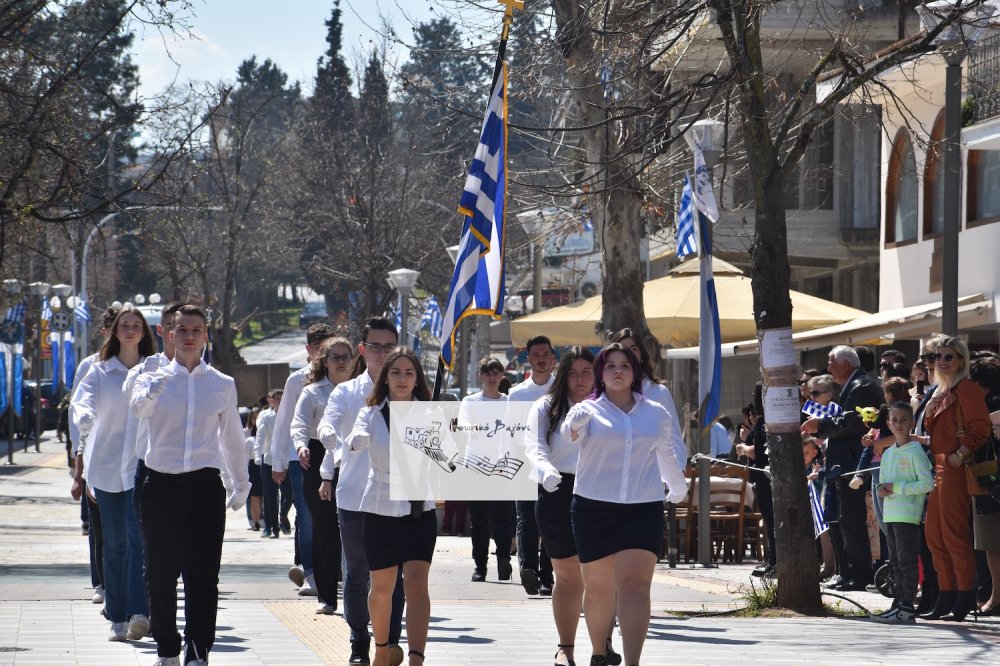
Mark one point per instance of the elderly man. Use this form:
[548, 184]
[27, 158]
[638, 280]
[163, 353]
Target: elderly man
[843, 435]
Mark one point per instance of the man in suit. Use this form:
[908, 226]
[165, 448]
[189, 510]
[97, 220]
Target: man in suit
[843, 440]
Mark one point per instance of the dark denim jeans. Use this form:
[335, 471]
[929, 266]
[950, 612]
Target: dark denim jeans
[124, 591]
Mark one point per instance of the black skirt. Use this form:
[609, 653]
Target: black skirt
[552, 514]
[256, 487]
[391, 541]
[601, 529]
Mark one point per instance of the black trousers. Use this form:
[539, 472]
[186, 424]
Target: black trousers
[530, 551]
[326, 527]
[904, 555]
[853, 524]
[183, 522]
[765, 500]
[494, 519]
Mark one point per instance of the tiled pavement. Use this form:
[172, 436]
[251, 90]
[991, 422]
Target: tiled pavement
[46, 618]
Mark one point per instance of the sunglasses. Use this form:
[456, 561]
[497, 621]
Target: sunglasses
[947, 358]
[816, 393]
[339, 358]
[927, 357]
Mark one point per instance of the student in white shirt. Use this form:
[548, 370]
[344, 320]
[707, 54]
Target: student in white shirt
[397, 534]
[262, 455]
[195, 435]
[330, 366]
[617, 510]
[379, 337]
[102, 418]
[536, 569]
[493, 518]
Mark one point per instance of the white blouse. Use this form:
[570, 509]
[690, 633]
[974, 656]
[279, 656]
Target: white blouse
[308, 412]
[661, 394]
[554, 452]
[342, 409]
[371, 432]
[624, 457]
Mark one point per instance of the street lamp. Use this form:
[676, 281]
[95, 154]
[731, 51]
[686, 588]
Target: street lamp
[61, 301]
[403, 280]
[533, 223]
[12, 336]
[39, 290]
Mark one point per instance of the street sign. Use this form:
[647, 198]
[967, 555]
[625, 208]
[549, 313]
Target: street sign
[61, 321]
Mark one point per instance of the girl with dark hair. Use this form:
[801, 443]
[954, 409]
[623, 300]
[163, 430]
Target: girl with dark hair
[101, 412]
[617, 507]
[330, 366]
[396, 533]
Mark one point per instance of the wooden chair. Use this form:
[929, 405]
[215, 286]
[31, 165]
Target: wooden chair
[754, 537]
[727, 508]
[683, 516]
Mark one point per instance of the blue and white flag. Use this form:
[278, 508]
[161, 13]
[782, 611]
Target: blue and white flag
[477, 285]
[17, 377]
[687, 242]
[82, 312]
[3, 382]
[69, 359]
[46, 310]
[703, 195]
[15, 313]
[710, 355]
[814, 409]
[432, 320]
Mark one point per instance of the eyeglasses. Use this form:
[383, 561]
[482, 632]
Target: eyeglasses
[947, 358]
[927, 357]
[376, 348]
[816, 393]
[339, 358]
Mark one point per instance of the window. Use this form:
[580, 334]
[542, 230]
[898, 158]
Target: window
[934, 180]
[983, 203]
[901, 195]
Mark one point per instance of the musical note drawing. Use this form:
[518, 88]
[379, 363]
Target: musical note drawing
[428, 442]
[506, 466]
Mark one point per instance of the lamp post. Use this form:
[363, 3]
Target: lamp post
[12, 336]
[403, 280]
[39, 290]
[534, 224]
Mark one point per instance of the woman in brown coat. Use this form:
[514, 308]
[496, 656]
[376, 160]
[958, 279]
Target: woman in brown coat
[957, 404]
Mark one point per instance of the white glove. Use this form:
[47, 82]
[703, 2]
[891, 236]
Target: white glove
[258, 461]
[360, 442]
[157, 386]
[677, 496]
[327, 435]
[580, 418]
[238, 498]
[151, 364]
[86, 423]
[551, 480]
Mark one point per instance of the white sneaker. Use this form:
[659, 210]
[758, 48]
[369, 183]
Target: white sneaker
[297, 575]
[168, 661]
[308, 588]
[98, 597]
[138, 627]
[323, 608]
[900, 615]
[118, 631]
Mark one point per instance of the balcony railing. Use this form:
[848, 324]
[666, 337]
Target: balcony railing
[984, 81]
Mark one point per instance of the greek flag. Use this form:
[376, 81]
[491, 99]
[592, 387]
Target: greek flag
[477, 286]
[82, 312]
[432, 320]
[687, 242]
[816, 505]
[15, 313]
[819, 411]
[46, 310]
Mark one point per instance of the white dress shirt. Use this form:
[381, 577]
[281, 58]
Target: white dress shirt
[81, 372]
[142, 435]
[552, 453]
[193, 424]
[370, 432]
[109, 457]
[661, 394]
[282, 451]
[341, 412]
[624, 458]
[528, 390]
[262, 442]
[308, 412]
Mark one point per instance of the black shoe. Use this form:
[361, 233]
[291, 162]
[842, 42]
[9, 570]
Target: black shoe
[853, 586]
[763, 570]
[504, 570]
[478, 576]
[612, 657]
[833, 582]
[965, 602]
[286, 527]
[598, 660]
[359, 653]
[928, 597]
[529, 581]
[945, 602]
[545, 590]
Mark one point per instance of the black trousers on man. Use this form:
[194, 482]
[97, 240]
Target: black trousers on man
[494, 519]
[853, 523]
[183, 522]
[325, 526]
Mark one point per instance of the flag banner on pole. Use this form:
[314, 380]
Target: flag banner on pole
[477, 285]
[15, 313]
[710, 357]
[82, 312]
[432, 320]
[46, 310]
[704, 196]
[687, 242]
[69, 359]
[54, 345]
[17, 377]
[814, 409]
[816, 505]
[3, 381]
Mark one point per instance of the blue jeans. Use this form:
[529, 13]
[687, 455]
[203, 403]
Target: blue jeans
[357, 581]
[303, 520]
[124, 592]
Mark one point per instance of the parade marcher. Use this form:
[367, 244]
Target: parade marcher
[490, 518]
[109, 459]
[535, 567]
[398, 535]
[617, 510]
[331, 365]
[285, 461]
[379, 337]
[195, 434]
[262, 453]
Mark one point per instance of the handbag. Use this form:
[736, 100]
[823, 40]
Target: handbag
[974, 471]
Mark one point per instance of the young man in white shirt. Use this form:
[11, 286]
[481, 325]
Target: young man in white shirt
[194, 434]
[378, 339]
[536, 568]
[264, 458]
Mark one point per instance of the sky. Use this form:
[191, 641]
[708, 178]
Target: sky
[290, 32]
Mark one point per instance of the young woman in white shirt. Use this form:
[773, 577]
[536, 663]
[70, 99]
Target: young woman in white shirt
[330, 366]
[109, 460]
[617, 511]
[396, 533]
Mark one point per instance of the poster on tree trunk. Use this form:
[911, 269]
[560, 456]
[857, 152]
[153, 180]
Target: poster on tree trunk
[779, 373]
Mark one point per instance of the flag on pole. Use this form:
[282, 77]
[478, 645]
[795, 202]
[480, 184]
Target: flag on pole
[687, 242]
[17, 377]
[814, 409]
[477, 285]
[46, 310]
[3, 382]
[703, 195]
[69, 359]
[82, 312]
[15, 313]
[432, 319]
[55, 347]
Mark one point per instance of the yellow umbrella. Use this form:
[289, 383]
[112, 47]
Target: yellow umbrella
[672, 305]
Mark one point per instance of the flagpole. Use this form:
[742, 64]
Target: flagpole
[704, 234]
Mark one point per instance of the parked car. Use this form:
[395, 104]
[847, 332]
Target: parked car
[313, 313]
[50, 413]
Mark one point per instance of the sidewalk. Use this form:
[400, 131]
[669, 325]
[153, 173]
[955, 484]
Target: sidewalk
[46, 616]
